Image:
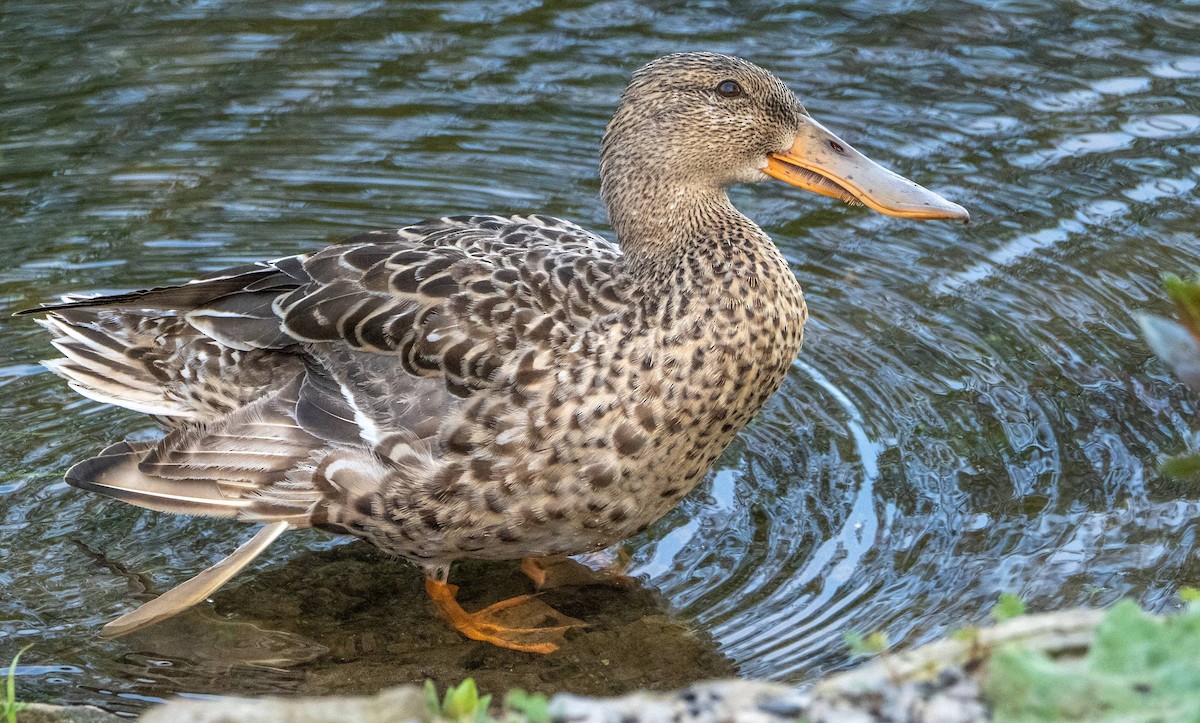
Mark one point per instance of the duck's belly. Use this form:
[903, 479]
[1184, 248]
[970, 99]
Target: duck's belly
[593, 459]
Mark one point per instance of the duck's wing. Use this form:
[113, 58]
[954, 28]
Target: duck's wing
[214, 468]
[354, 355]
[450, 298]
[453, 299]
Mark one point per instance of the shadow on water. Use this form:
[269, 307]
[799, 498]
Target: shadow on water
[973, 412]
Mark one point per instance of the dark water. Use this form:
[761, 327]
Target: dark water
[973, 413]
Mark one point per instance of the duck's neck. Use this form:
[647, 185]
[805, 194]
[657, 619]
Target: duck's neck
[667, 228]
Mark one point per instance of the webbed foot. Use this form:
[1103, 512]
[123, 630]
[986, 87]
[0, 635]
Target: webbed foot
[521, 623]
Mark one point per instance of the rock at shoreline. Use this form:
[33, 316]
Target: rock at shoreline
[42, 713]
[406, 703]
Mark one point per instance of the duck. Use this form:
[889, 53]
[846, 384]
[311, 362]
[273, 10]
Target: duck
[487, 387]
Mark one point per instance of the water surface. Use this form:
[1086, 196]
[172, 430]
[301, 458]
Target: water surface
[973, 412]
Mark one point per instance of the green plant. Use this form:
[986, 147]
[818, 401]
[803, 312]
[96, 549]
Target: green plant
[1177, 344]
[873, 644]
[1139, 668]
[533, 707]
[10, 707]
[462, 703]
[1008, 607]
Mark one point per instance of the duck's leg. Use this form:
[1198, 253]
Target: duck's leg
[562, 571]
[521, 623]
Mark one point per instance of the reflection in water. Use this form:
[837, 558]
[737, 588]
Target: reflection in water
[974, 412]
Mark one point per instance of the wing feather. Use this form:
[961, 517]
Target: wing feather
[198, 588]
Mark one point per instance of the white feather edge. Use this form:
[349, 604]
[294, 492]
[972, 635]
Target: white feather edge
[111, 384]
[63, 330]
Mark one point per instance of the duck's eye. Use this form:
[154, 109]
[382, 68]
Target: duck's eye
[729, 88]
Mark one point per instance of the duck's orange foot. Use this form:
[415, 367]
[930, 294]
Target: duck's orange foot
[551, 572]
[521, 623]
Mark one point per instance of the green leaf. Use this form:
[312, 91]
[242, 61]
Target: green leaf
[1186, 295]
[855, 642]
[1139, 668]
[1184, 466]
[431, 698]
[873, 644]
[1009, 606]
[535, 707]
[1189, 594]
[11, 706]
[461, 702]
[878, 641]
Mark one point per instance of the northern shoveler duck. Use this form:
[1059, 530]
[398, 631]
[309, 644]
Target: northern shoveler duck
[483, 386]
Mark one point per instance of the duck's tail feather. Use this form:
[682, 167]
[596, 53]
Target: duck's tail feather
[97, 362]
[169, 298]
[187, 594]
[160, 364]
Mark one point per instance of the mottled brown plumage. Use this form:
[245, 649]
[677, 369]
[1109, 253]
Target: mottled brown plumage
[476, 386]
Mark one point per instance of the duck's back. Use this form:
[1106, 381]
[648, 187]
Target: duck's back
[451, 298]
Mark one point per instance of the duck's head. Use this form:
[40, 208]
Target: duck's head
[706, 121]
